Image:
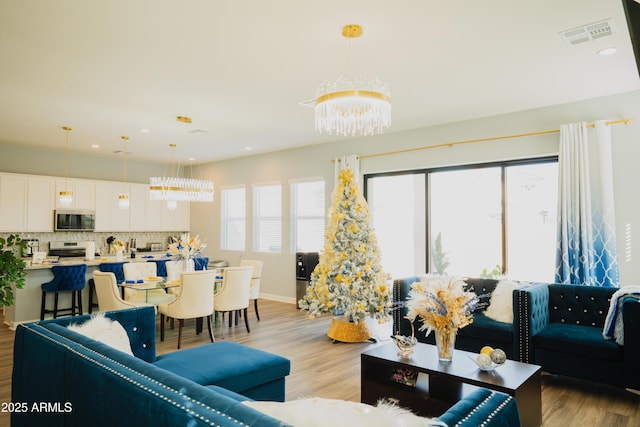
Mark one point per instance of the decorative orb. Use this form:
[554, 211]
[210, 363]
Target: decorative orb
[498, 356]
[486, 350]
[484, 361]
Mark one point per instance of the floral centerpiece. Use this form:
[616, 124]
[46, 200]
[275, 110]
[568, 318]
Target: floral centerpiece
[443, 306]
[187, 247]
[116, 245]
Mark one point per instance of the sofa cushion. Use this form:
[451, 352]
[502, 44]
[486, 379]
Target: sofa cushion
[484, 328]
[579, 340]
[106, 331]
[501, 305]
[226, 364]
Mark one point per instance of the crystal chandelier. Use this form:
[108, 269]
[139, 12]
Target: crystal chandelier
[175, 189]
[352, 106]
[123, 198]
[65, 198]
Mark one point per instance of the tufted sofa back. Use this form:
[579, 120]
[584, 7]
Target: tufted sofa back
[579, 305]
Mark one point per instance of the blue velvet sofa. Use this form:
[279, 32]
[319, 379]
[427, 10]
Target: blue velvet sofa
[62, 378]
[563, 327]
[483, 331]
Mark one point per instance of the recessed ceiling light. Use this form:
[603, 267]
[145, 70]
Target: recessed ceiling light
[607, 51]
[95, 146]
[248, 148]
[145, 130]
[191, 159]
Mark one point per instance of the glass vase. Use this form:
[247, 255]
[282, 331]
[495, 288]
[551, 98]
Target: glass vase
[445, 342]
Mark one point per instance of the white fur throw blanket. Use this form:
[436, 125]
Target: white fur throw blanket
[613, 324]
[318, 412]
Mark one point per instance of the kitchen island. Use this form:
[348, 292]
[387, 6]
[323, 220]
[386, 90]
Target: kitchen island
[26, 301]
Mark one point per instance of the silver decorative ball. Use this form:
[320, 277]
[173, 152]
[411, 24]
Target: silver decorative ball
[498, 356]
[484, 361]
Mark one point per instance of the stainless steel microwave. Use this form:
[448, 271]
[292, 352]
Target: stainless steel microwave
[74, 220]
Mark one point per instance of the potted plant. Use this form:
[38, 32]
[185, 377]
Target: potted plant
[12, 267]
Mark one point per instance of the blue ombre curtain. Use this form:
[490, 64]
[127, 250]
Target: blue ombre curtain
[586, 246]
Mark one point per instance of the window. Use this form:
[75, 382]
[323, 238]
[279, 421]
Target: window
[232, 219]
[397, 206]
[267, 218]
[480, 220]
[307, 216]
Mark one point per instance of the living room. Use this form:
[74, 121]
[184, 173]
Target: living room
[315, 161]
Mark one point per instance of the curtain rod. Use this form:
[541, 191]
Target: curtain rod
[468, 141]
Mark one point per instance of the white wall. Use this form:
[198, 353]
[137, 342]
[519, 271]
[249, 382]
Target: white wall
[315, 161]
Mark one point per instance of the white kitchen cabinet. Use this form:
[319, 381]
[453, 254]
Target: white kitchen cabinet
[83, 193]
[109, 216]
[177, 219]
[40, 203]
[146, 214]
[13, 202]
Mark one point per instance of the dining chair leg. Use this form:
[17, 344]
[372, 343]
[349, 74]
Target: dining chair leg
[43, 303]
[210, 327]
[255, 306]
[79, 295]
[161, 327]
[230, 318]
[180, 324]
[246, 320]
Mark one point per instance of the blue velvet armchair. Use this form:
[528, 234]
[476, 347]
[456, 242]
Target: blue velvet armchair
[562, 332]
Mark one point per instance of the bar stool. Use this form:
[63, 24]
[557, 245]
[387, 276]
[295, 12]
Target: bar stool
[105, 267]
[66, 278]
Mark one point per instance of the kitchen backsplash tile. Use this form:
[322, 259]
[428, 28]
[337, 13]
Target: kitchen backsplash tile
[142, 238]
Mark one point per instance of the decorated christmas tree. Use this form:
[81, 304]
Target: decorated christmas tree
[348, 280]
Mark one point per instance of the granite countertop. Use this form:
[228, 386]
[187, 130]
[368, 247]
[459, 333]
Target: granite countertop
[98, 260]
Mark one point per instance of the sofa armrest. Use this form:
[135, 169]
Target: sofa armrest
[631, 320]
[531, 304]
[484, 407]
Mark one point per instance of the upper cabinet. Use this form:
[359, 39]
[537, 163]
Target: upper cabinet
[109, 216]
[83, 193]
[13, 202]
[40, 203]
[27, 203]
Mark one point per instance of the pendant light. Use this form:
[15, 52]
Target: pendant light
[123, 198]
[65, 198]
[175, 189]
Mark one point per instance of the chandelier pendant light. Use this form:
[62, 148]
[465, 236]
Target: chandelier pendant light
[123, 198]
[175, 189]
[65, 198]
[351, 107]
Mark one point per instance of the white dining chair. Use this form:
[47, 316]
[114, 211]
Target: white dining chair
[234, 292]
[108, 294]
[196, 300]
[140, 271]
[254, 290]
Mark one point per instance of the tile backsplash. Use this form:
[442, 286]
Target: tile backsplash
[142, 238]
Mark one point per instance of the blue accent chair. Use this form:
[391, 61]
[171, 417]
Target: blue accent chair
[66, 278]
[201, 263]
[161, 266]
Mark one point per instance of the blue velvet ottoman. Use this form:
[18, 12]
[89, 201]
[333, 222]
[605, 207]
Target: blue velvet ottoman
[256, 374]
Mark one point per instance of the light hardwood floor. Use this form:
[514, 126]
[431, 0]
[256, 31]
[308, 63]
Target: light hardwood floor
[324, 369]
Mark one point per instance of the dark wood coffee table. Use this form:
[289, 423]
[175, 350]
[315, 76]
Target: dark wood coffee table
[440, 385]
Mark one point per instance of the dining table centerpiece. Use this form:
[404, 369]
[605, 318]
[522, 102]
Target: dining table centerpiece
[186, 249]
[444, 306]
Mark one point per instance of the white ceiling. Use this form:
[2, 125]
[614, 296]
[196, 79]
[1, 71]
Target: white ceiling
[240, 68]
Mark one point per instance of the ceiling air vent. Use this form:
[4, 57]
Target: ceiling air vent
[589, 32]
